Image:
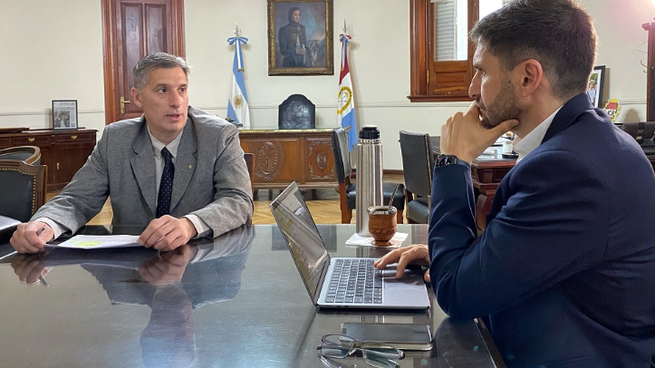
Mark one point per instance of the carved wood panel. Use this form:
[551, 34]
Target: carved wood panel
[282, 156]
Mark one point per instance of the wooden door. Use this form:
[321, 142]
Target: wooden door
[133, 29]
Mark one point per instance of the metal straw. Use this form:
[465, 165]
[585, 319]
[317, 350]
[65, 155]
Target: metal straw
[393, 195]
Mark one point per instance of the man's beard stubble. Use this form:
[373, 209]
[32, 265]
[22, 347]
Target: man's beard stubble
[504, 107]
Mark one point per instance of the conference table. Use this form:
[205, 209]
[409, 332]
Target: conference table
[235, 301]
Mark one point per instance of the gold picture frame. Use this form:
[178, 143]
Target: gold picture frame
[300, 37]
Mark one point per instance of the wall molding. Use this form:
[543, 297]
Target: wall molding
[374, 105]
[46, 112]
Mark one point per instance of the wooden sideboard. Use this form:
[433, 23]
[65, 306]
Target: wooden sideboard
[62, 151]
[282, 156]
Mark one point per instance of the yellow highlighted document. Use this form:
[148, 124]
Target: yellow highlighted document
[99, 242]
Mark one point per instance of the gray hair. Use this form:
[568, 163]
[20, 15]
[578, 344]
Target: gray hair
[156, 60]
[557, 33]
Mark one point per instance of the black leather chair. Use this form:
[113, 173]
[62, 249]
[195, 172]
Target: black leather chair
[296, 112]
[418, 163]
[348, 190]
[643, 133]
[23, 189]
[30, 154]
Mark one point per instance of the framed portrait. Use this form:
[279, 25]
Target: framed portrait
[64, 114]
[595, 86]
[300, 37]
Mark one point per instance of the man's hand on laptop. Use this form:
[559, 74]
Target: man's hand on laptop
[412, 254]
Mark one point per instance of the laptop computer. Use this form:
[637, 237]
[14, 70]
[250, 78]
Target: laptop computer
[316, 267]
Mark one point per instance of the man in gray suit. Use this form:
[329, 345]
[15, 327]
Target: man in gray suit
[197, 158]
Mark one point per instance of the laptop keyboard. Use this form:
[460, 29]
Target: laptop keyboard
[354, 281]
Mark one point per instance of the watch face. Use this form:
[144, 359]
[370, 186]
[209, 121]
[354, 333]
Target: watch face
[446, 160]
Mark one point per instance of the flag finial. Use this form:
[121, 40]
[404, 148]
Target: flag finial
[236, 29]
[345, 28]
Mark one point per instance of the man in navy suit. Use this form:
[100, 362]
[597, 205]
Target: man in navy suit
[564, 274]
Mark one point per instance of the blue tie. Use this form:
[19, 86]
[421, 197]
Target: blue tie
[166, 184]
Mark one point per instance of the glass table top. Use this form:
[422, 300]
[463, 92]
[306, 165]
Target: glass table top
[234, 301]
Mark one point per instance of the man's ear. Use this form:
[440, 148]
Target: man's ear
[136, 97]
[531, 76]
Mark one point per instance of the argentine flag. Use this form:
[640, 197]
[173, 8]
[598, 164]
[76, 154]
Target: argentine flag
[237, 104]
[346, 103]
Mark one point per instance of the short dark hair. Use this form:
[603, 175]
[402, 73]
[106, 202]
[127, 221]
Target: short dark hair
[557, 33]
[293, 10]
[153, 61]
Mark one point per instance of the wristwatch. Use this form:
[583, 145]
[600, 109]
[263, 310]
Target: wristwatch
[443, 160]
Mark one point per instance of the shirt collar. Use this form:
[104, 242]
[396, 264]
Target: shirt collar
[523, 146]
[158, 145]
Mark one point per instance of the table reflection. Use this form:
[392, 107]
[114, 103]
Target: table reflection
[172, 284]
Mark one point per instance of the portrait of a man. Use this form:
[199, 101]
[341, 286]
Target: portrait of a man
[292, 41]
[300, 37]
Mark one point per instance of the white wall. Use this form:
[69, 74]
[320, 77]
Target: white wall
[52, 49]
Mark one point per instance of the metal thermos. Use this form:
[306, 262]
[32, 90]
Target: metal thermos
[369, 176]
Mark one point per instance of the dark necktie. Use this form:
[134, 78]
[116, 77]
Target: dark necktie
[166, 184]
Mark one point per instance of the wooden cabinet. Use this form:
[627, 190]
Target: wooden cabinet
[282, 156]
[62, 151]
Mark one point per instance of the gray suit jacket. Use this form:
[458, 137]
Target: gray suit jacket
[211, 178]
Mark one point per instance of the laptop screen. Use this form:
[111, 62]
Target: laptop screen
[300, 232]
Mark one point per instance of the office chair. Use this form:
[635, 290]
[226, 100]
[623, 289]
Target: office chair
[30, 154]
[418, 163]
[348, 190]
[23, 189]
[643, 133]
[296, 112]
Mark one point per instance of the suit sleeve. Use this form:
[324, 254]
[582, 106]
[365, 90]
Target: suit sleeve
[85, 195]
[551, 224]
[232, 205]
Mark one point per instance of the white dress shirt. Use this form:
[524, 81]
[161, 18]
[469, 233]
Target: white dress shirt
[523, 146]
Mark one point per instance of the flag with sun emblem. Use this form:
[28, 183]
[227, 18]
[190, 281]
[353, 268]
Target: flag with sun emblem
[238, 111]
[346, 102]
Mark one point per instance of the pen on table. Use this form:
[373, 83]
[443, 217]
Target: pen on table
[43, 281]
[41, 277]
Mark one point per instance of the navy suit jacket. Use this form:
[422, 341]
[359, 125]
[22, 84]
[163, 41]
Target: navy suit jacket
[565, 270]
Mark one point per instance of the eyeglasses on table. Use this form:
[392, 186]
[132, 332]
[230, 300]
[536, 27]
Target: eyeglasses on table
[339, 346]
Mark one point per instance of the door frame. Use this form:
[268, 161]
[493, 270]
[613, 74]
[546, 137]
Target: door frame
[110, 52]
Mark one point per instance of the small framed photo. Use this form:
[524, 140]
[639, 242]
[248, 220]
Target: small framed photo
[595, 86]
[64, 114]
[300, 37]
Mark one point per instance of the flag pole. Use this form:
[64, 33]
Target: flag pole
[238, 110]
[346, 98]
